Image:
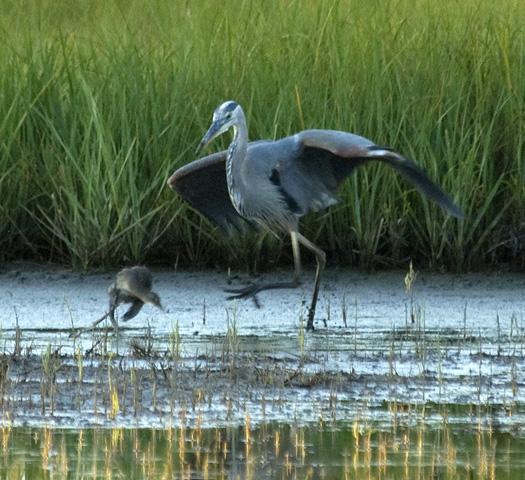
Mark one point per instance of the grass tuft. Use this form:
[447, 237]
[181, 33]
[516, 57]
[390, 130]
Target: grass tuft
[100, 103]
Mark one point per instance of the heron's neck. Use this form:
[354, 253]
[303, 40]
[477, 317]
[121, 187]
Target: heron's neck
[234, 161]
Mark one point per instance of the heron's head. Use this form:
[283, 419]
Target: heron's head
[225, 116]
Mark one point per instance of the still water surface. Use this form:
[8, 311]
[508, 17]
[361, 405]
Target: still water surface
[269, 451]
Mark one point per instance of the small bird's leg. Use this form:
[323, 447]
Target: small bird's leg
[254, 288]
[320, 256]
[113, 304]
[102, 318]
[80, 331]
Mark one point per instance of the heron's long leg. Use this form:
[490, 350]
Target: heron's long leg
[296, 256]
[320, 256]
[254, 289]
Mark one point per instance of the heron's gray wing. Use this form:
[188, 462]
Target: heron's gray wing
[324, 158]
[203, 184]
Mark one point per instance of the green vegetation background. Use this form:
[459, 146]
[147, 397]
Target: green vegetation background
[101, 100]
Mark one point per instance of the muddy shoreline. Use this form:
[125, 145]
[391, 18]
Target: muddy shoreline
[455, 342]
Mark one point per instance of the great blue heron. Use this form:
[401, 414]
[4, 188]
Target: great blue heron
[275, 183]
[131, 285]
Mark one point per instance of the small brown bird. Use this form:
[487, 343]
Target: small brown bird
[132, 285]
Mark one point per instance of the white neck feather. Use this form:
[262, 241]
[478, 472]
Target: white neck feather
[236, 156]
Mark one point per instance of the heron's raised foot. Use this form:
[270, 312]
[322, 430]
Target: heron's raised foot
[255, 288]
[250, 291]
[243, 292]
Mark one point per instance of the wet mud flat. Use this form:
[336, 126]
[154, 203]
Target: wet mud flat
[449, 346]
[147, 389]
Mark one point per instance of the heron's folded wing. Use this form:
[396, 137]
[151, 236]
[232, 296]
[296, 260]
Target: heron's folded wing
[202, 183]
[133, 311]
[333, 155]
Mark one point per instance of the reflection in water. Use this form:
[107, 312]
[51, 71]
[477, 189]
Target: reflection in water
[268, 451]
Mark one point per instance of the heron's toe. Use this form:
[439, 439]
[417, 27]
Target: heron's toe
[250, 291]
[243, 292]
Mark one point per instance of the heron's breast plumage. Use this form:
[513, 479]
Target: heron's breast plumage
[231, 180]
[254, 188]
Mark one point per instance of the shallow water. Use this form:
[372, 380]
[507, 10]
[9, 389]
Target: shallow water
[269, 451]
[463, 344]
[50, 302]
[444, 362]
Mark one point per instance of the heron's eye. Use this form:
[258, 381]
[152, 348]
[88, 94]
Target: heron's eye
[228, 115]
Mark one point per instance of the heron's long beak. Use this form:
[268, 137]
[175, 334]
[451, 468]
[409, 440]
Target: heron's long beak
[215, 130]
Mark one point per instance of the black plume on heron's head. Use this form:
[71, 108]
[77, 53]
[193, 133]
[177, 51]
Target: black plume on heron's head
[225, 110]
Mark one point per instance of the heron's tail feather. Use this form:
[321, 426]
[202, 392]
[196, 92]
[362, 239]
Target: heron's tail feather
[419, 178]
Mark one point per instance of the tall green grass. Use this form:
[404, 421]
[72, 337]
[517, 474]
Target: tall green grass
[101, 101]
